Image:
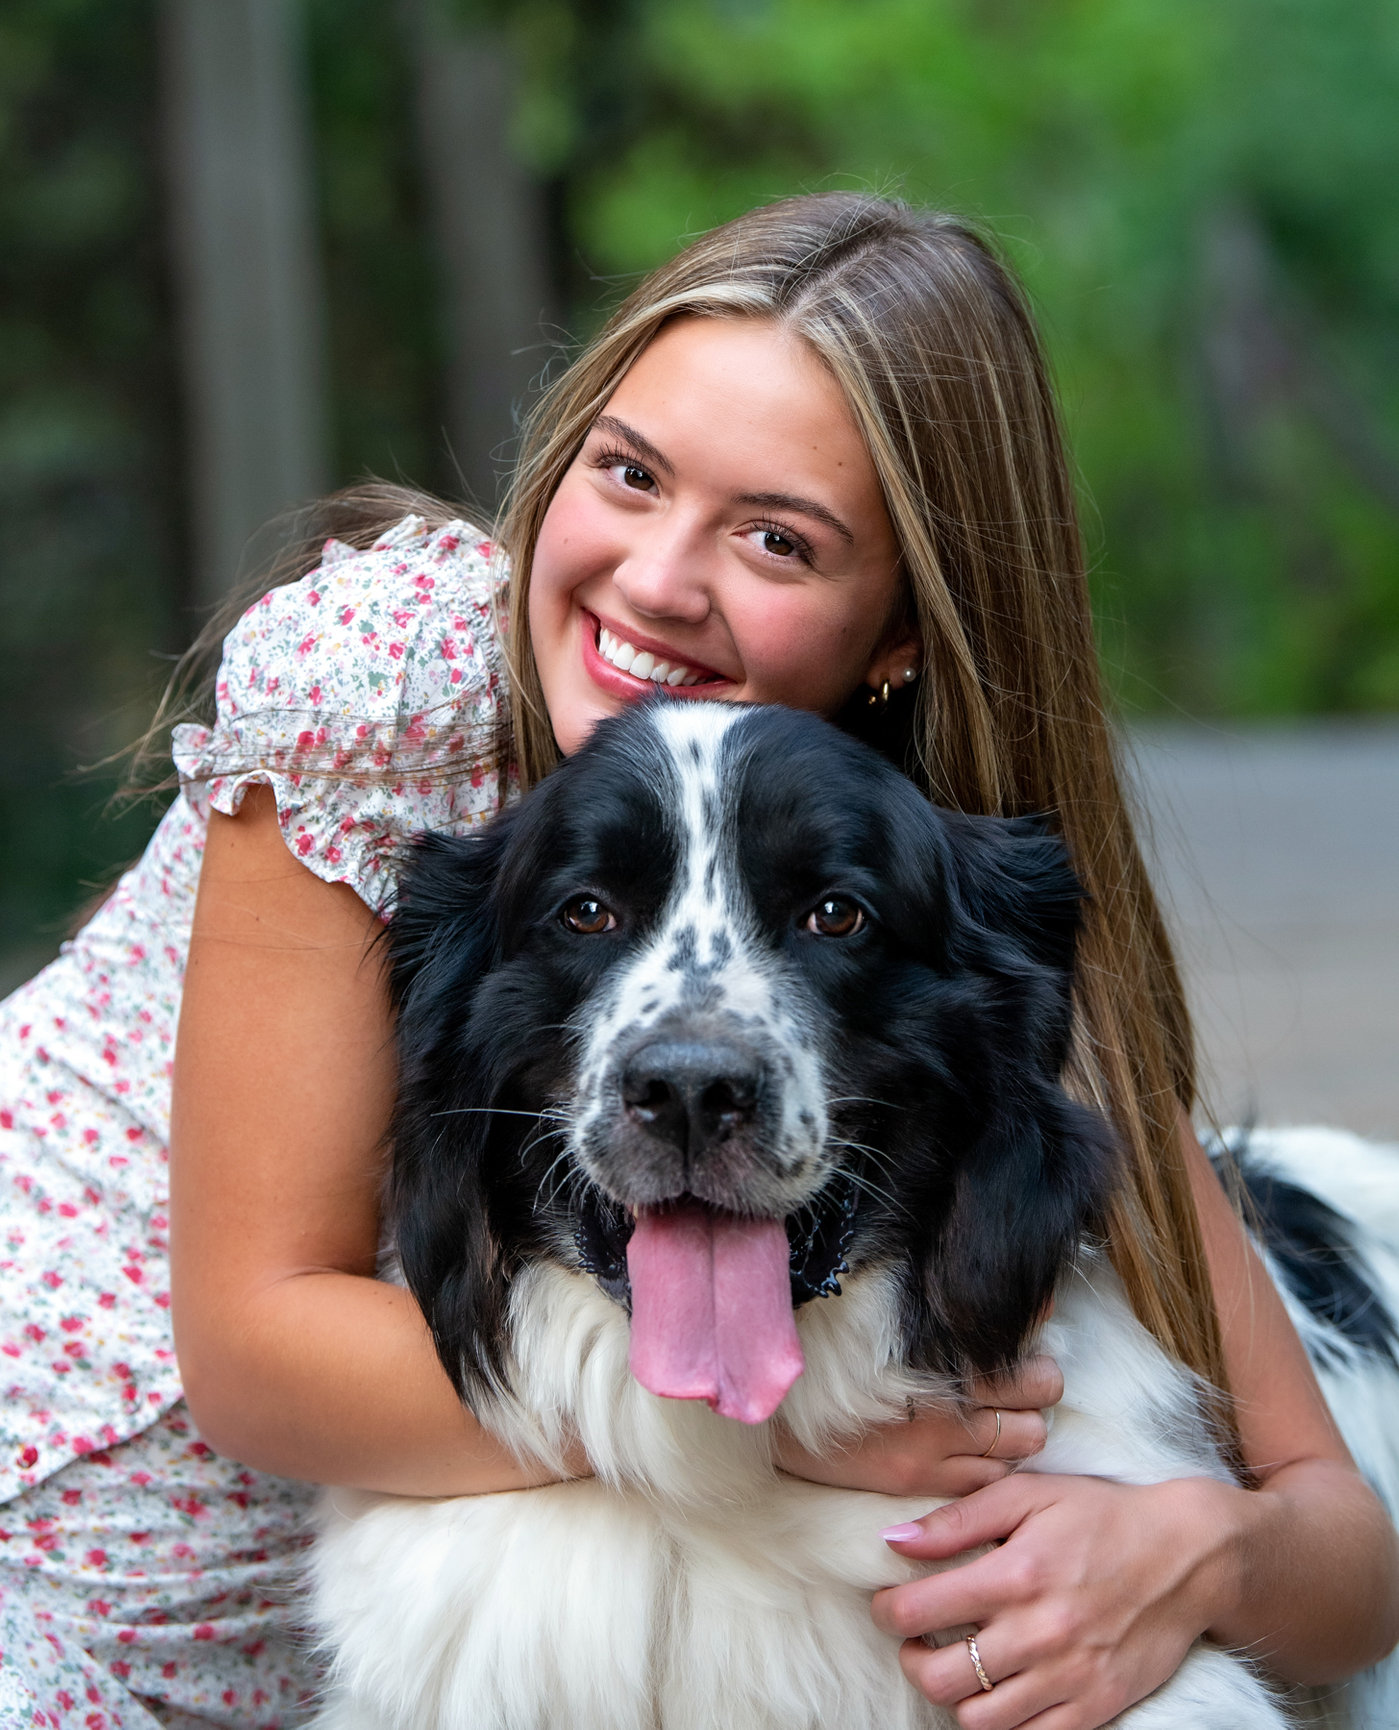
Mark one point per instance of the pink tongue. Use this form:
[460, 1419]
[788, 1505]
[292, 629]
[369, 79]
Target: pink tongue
[711, 1311]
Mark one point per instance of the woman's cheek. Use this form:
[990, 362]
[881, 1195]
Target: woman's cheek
[804, 661]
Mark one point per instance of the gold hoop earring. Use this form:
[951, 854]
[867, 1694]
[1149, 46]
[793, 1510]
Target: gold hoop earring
[880, 699]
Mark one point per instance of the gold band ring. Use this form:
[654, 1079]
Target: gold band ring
[983, 1679]
[987, 1452]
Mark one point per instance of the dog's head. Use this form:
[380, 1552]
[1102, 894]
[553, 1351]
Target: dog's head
[722, 1010]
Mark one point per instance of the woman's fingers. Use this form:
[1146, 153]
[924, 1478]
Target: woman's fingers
[1038, 1383]
[1007, 1420]
[944, 1450]
[943, 1674]
[946, 1676]
[940, 1451]
[999, 1433]
[962, 1597]
[988, 1517]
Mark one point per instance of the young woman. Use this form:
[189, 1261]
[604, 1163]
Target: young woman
[815, 460]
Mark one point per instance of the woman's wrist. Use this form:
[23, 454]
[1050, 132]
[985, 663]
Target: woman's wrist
[1218, 1523]
[1306, 1576]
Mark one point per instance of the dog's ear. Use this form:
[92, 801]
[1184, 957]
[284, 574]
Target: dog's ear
[1013, 879]
[1036, 1171]
[1030, 1185]
[443, 922]
[442, 944]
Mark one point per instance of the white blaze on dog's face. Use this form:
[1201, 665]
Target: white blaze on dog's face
[704, 1020]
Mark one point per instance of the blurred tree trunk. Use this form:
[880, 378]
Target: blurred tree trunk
[247, 271]
[487, 215]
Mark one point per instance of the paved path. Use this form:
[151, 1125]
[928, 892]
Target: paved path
[1277, 850]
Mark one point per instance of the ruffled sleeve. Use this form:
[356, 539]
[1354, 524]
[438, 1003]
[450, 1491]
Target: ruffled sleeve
[368, 697]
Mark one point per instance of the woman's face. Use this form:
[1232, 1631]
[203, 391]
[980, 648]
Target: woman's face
[723, 527]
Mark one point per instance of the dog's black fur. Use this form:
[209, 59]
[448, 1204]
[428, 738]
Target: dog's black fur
[959, 1158]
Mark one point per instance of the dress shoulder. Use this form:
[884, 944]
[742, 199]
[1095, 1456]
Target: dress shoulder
[368, 695]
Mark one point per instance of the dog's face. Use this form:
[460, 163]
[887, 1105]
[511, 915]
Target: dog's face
[725, 993]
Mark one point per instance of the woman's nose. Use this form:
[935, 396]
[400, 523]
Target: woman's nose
[666, 575]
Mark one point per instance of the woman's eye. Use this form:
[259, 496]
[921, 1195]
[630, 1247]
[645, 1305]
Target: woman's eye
[777, 544]
[588, 916]
[835, 917]
[634, 476]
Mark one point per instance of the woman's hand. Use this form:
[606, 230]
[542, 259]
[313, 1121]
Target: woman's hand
[940, 1452]
[1091, 1599]
[1097, 1590]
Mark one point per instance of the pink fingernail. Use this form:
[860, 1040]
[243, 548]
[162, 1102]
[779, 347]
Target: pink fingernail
[901, 1534]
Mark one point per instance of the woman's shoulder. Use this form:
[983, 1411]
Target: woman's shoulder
[369, 695]
[404, 623]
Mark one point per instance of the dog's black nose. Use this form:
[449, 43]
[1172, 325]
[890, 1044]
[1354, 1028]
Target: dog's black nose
[692, 1093]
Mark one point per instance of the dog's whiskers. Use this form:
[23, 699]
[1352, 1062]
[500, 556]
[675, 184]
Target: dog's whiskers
[865, 1183]
[492, 1110]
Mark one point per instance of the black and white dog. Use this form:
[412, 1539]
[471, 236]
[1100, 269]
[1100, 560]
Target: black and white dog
[731, 1072]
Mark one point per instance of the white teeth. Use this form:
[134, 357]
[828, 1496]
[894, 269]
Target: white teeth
[642, 664]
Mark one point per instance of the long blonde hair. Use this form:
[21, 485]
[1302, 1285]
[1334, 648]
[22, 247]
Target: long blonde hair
[930, 338]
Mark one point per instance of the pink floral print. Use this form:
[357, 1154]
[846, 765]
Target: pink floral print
[378, 665]
[142, 1577]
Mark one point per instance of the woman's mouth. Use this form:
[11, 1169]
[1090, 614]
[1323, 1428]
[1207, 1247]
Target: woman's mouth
[627, 668]
[642, 664]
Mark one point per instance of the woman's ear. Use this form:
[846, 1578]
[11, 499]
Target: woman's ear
[898, 661]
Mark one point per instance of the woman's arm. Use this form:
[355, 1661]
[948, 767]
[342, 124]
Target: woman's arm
[1312, 1570]
[294, 1358]
[1097, 1589]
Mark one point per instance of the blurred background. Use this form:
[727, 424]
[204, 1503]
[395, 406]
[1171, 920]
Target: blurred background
[253, 249]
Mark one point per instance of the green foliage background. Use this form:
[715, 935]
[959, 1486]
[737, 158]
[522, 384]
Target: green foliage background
[1199, 192]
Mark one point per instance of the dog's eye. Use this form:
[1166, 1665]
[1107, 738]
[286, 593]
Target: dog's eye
[588, 916]
[835, 916]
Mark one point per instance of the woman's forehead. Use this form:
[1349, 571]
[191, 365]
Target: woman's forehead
[747, 402]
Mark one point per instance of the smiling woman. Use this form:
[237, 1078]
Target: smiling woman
[721, 529]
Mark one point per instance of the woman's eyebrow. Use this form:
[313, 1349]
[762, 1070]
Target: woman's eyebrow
[792, 502]
[643, 446]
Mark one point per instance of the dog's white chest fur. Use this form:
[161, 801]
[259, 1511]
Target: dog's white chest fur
[688, 1586]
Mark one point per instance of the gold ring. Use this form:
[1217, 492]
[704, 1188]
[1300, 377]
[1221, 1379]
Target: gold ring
[986, 1683]
[986, 1455]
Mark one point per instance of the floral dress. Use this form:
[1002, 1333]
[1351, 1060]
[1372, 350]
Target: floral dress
[144, 1579]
